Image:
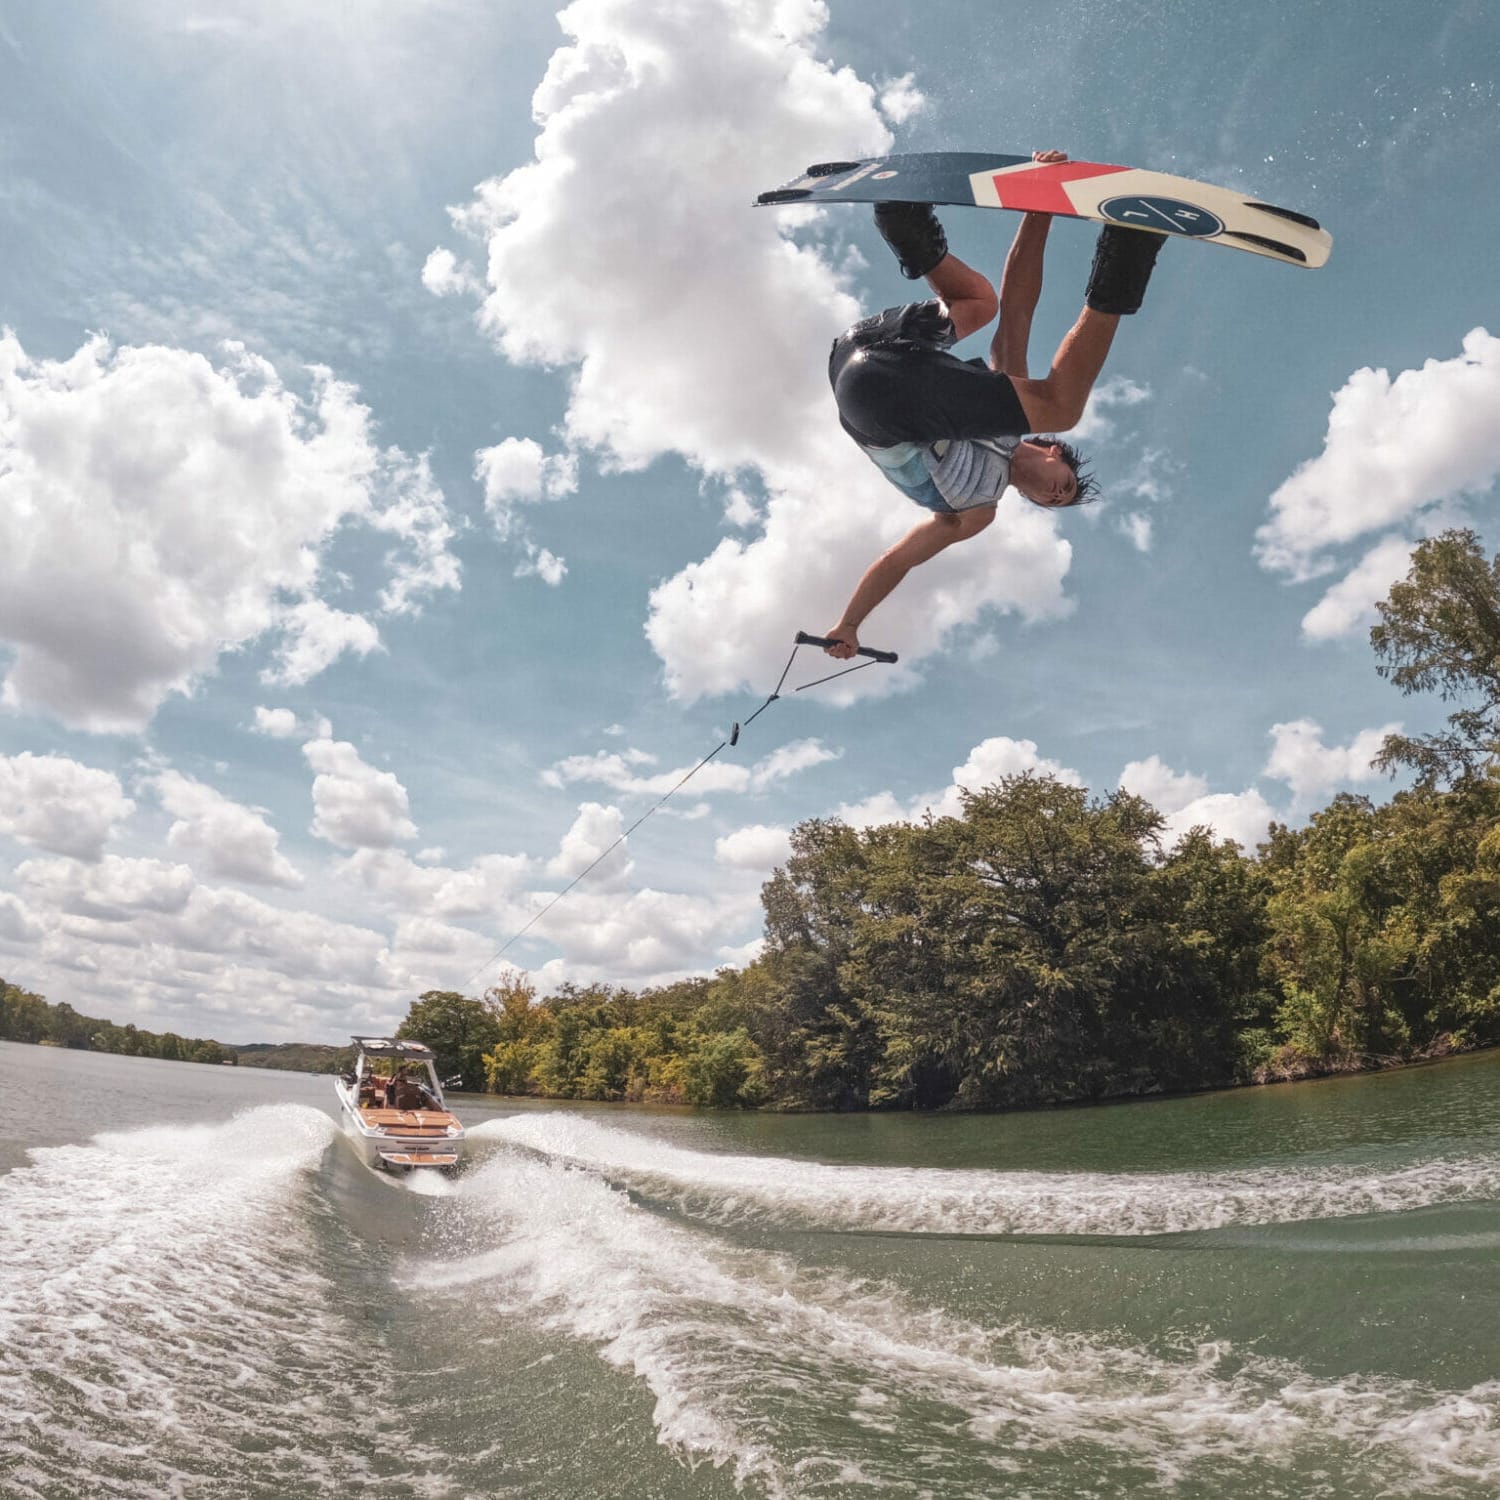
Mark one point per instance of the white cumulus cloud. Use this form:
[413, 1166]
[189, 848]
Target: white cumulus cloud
[1244, 817]
[593, 831]
[229, 839]
[1350, 604]
[54, 803]
[1395, 449]
[1168, 791]
[316, 636]
[1111, 395]
[17, 924]
[518, 471]
[443, 274]
[989, 762]
[157, 509]
[757, 847]
[540, 563]
[276, 723]
[354, 805]
[617, 772]
[1137, 526]
[1185, 802]
[1312, 769]
[901, 99]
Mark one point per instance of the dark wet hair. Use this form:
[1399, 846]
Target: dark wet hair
[1086, 486]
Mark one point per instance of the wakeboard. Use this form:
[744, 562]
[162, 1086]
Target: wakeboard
[1078, 189]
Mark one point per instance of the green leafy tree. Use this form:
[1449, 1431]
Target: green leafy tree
[24, 1017]
[561, 1058]
[820, 1040]
[460, 1030]
[613, 1063]
[1001, 980]
[1343, 938]
[1439, 631]
[1442, 850]
[522, 1028]
[1216, 1024]
[725, 1070]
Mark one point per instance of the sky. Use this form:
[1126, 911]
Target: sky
[416, 452]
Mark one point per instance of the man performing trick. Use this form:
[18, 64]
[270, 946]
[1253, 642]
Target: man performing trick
[950, 433]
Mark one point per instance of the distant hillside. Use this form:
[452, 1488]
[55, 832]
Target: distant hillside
[296, 1057]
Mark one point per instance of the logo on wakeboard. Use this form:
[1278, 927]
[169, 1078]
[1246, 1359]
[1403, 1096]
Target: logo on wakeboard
[1170, 214]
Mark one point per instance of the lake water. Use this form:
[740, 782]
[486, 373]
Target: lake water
[1277, 1292]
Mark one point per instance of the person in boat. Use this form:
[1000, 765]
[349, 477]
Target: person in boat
[951, 434]
[406, 1092]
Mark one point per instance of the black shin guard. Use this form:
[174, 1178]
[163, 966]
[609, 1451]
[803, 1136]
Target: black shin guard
[913, 232]
[1122, 267]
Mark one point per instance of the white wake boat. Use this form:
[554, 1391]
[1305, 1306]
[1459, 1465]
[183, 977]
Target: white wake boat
[392, 1107]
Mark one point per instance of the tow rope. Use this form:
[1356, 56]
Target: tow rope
[802, 639]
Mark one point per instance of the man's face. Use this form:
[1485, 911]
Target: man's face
[1043, 475]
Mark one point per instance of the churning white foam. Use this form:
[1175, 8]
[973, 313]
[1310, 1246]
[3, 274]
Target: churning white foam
[164, 1325]
[922, 1200]
[793, 1376]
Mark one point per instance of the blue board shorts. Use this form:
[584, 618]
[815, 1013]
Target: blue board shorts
[895, 382]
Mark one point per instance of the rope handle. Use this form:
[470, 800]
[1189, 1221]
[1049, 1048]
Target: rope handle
[804, 639]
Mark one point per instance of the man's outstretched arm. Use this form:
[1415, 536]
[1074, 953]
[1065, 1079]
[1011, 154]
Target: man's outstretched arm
[917, 546]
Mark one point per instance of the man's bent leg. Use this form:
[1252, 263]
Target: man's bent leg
[969, 296]
[915, 235]
[1117, 283]
[1055, 403]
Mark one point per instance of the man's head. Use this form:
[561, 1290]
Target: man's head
[1049, 472]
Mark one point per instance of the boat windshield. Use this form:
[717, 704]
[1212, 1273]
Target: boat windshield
[401, 1086]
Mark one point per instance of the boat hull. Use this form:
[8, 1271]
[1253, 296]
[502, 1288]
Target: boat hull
[402, 1140]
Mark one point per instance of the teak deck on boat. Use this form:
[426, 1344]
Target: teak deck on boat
[409, 1121]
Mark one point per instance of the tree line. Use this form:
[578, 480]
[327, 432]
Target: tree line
[1046, 946]
[26, 1017]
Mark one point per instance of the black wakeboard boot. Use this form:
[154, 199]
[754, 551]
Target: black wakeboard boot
[914, 234]
[1123, 260]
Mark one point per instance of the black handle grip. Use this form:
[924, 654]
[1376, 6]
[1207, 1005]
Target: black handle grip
[804, 639]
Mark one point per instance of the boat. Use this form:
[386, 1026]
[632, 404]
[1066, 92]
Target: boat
[393, 1109]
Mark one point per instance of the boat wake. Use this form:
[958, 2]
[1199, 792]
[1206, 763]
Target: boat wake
[728, 1189]
[169, 1321]
[807, 1381]
[188, 1310]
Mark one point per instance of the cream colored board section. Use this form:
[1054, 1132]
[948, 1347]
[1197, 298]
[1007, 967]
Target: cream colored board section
[1236, 209]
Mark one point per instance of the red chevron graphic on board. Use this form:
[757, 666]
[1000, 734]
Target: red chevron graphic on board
[1043, 189]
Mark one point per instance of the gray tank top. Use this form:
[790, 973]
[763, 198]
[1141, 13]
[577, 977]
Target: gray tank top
[970, 472]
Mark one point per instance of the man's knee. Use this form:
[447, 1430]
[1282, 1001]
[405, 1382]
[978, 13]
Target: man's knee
[970, 312]
[1052, 405]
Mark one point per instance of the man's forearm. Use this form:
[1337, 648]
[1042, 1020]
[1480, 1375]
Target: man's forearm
[879, 579]
[1020, 291]
[1021, 281]
[917, 546]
